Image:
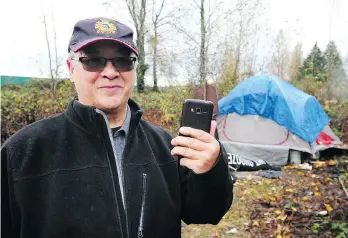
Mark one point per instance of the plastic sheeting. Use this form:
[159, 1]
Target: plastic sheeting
[273, 155]
[275, 99]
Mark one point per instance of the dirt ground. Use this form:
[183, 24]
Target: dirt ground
[301, 203]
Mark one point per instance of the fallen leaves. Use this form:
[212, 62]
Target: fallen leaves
[311, 203]
[328, 207]
[256, 223]
[305, 205]
[282, 217]
[214, 235]
[318, 164]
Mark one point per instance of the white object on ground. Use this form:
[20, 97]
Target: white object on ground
[231, 231]
[305, 166]
[295, 157]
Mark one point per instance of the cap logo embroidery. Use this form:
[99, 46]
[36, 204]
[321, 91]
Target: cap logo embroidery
[105, 27]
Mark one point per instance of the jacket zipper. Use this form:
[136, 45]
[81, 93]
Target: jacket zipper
[122, 188]
[141, 222]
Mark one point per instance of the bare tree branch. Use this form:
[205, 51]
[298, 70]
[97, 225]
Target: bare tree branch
[161, 8]
[197, 5]
[131, 8]
[48, 48]
[54, 67]
[139, 16]
[155, 40]
[215, 8]
[183, 31]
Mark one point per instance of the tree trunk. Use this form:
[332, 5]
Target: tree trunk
[142, 66]
[155, 87]
[202, 70]
[236, 66]
[141, 70]
[53, 79]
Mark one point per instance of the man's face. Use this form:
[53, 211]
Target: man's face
[107, 88]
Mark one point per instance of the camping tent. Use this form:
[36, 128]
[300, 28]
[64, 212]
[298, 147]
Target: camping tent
[264, 117]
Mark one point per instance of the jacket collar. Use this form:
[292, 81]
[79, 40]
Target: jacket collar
[86, 117]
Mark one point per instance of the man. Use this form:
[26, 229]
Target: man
[98, 169]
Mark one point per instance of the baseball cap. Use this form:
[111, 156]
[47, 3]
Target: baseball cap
[88, 31]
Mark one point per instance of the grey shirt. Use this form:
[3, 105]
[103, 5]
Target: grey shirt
[120, 136]
[120, 139]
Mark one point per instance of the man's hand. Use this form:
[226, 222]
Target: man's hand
[199, 150]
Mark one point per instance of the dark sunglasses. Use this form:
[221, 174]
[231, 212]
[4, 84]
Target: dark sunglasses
[98, 63]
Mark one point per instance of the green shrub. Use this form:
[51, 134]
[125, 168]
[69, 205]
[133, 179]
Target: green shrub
[164, 109]
[22, 105]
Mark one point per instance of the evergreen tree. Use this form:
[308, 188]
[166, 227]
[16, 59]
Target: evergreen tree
[333, 63]
[345, 65]
[314, 64]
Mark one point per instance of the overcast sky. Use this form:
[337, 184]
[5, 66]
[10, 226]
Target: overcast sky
[23, 50]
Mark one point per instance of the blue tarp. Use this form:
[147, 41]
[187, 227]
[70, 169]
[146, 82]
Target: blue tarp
[276, 99]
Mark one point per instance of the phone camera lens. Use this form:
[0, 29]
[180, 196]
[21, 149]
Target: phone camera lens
[198, 110]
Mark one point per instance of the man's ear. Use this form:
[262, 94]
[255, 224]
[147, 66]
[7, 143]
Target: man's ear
[70, 68]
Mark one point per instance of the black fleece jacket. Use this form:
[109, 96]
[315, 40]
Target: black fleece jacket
[59, 179]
